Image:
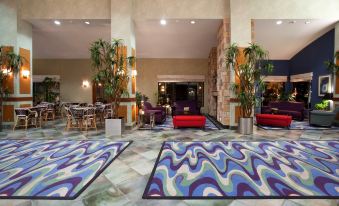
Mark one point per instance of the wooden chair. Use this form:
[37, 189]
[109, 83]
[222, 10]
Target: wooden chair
[25, 116]
[74, 118]
[89, 119]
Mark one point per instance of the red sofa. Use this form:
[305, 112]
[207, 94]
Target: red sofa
[189, 121]
[273, 120]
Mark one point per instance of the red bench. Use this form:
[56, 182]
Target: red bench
[273, 120]
[189, 121]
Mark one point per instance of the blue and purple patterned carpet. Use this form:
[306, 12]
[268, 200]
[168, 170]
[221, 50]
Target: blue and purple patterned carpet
[53, 169]
[299, 125]
[168, 125]
[236, 169]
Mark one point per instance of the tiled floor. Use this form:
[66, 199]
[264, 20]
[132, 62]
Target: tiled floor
[124, 181]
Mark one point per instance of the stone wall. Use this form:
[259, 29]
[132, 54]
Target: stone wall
[212, 82]
[223, 76]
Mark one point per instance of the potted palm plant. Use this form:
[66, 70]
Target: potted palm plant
[110, 65]
[248, 65]
[9, 63]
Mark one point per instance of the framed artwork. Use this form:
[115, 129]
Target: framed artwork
[324, 85]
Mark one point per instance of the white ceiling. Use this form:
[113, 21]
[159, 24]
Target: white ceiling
[70, 40]
[177, 39]
[285, 40]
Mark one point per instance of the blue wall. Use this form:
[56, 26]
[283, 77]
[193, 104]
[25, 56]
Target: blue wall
[281, 68]
[311, 59]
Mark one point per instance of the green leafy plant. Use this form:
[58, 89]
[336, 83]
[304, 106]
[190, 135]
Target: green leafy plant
[248, 70]
[110, 63]
[331, 65]
[10, 63]
[139, 97]
[49, 84]
[323, 105]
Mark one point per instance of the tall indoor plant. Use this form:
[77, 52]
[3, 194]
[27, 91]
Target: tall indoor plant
[249, 65]
[10, 63]
[332, 66]
[110, 63]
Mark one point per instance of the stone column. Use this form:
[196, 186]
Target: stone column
[16, 35]
[122, 27]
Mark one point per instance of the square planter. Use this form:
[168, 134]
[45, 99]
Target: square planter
[114, 127]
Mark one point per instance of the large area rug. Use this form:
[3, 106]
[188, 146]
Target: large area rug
[299, 125]
[236, 169]
[168, 125]
[53, 169]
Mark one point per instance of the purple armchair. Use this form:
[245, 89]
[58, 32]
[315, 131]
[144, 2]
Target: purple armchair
[294, 109]
[160, 113]
[179, 107]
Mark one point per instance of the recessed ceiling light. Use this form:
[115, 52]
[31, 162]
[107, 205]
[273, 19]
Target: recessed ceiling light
[87, 22]
[279, 22]
[163, 22]
[292, 22]
[192, 22]
[307, 22]
[56, 22]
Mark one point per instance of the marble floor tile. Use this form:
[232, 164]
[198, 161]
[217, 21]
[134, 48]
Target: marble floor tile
[124, 181]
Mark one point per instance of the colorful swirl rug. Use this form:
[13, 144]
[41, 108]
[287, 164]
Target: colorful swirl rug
[53, 169]
[236, 169]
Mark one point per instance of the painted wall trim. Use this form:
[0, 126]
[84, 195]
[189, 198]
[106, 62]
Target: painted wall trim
[301, 77]
[40, 78]
[181, 78]
[275, 79]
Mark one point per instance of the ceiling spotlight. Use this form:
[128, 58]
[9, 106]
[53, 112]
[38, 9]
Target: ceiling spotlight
[163, 22]
[279, 22]
[56, 22]
[292, 22]
[87, 22]
[192, 22]
[307, 22]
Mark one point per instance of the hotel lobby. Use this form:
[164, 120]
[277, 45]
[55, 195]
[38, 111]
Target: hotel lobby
[181, 102]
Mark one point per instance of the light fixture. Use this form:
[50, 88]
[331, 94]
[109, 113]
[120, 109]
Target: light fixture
[57, 22]
[307, 22]
[134, 73]
[85, 83]
[278, 22]
[6, 71]
[25, 74]
[192, 22]
[163, 22]
[87, 22]
[99, 84]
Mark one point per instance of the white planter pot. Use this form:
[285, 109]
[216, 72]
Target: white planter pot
[114, 127]
[245, 126]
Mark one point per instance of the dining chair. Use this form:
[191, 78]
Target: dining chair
[25, 116]
[89, 118]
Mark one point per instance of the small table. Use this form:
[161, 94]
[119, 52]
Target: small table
[142, 122]
[274, 110]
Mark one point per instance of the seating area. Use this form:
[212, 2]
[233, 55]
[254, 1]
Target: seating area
[169, 103]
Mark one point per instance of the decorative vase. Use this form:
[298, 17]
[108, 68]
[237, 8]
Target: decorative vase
[245, 126]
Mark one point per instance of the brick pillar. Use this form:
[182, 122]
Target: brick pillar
[223, 76]
[212, 82]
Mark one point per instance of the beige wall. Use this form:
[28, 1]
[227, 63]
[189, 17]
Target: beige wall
[72, 72]
[148, 69]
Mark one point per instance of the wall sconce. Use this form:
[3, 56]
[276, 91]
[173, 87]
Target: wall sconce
[6, 72]
[25, 74]
[85, 83]
[134, 73]
[99, 84]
